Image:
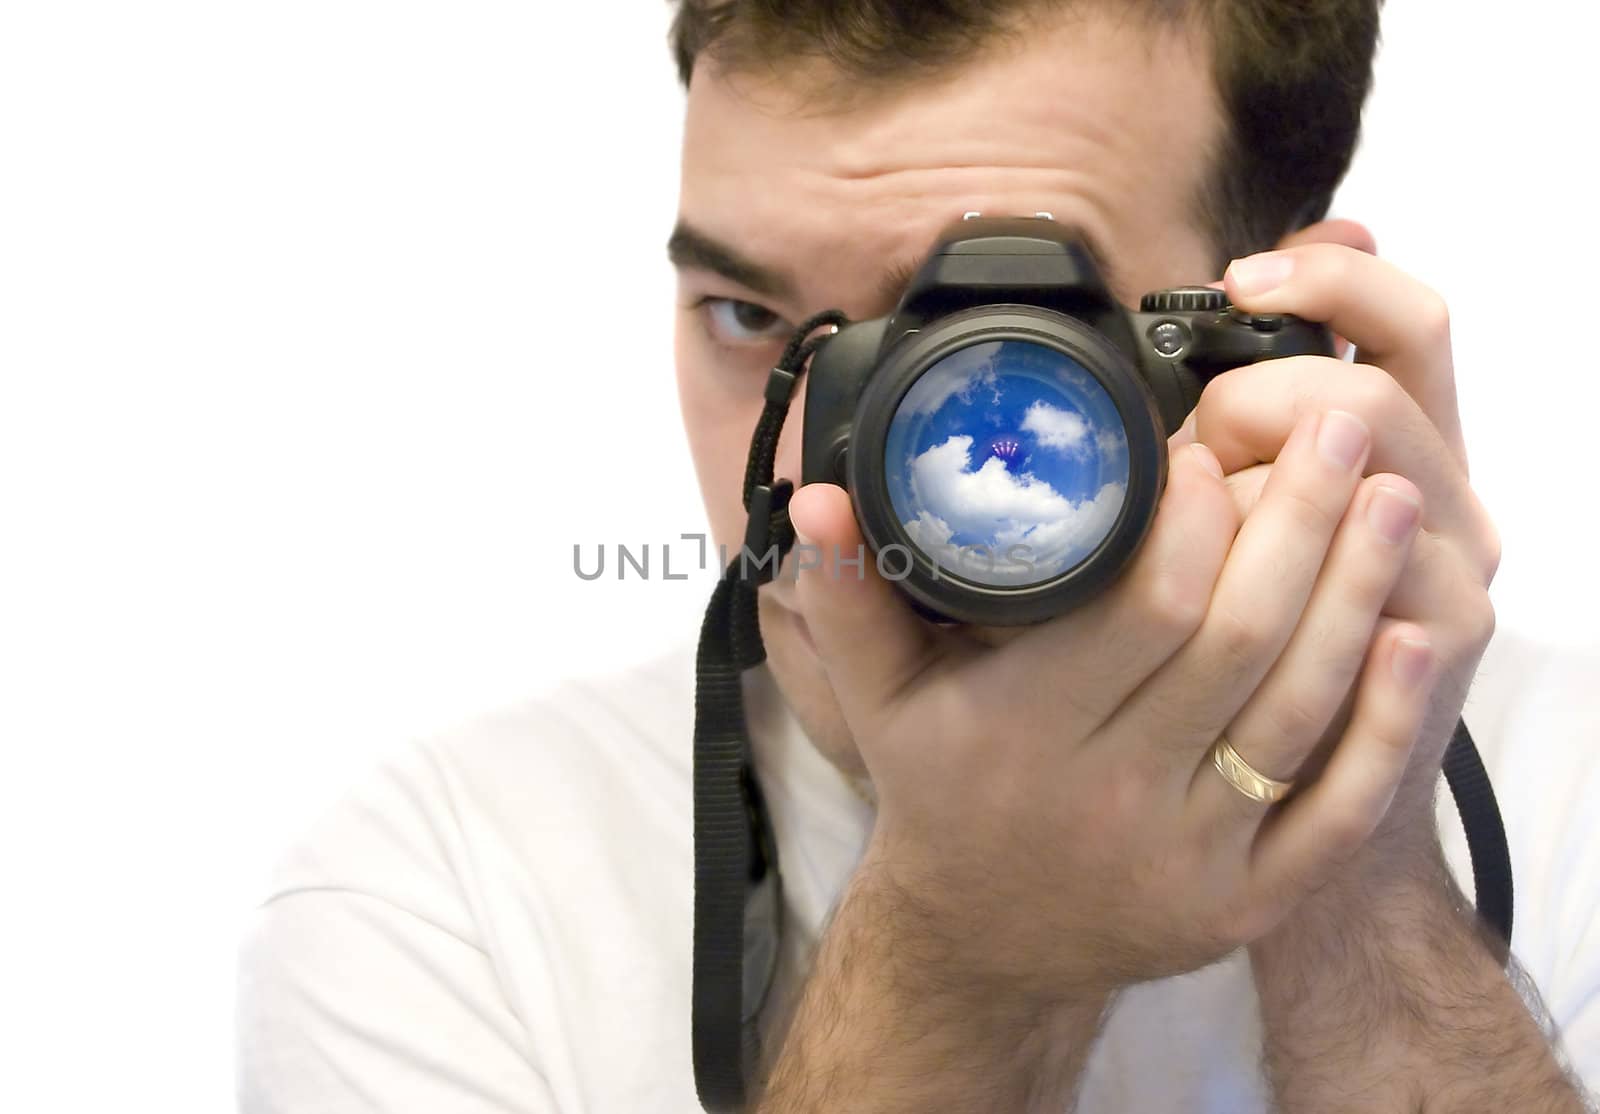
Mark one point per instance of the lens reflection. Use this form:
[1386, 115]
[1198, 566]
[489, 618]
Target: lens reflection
[1007, 463]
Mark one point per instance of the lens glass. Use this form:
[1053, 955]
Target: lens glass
[1007, 463]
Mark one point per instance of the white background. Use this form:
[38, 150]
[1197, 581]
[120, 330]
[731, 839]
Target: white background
[327, 328]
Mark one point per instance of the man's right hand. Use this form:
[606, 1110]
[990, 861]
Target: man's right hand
[1049, 824]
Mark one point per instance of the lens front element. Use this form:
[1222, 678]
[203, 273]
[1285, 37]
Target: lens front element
[1007, 463]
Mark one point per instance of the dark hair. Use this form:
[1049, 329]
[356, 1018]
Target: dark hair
[1291, 77]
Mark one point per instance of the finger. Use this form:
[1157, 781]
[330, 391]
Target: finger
[870, 643]
[1245, 414]
[1326, 821]
[1101, 652]
[1440, 587]
[1352, 234]
[1246, 486]
[1265, 585]
[1341, 346]
[1284, 720]
[1393, 320]
[1184, 437]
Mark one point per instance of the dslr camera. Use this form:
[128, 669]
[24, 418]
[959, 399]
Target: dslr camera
[1003, 432]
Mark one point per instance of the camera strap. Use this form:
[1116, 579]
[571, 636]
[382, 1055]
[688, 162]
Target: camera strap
[738, 904]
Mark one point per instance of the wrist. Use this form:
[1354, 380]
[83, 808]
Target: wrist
[891, 1021]
[982, 949]
[1384, 984]
[1389, 889]
[952, 956]
[1363, 967]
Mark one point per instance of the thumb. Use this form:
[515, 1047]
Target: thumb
[871, 643]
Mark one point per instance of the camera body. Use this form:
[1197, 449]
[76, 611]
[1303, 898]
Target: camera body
[1007, 370]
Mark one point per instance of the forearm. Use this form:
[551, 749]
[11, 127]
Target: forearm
[885, 1025]
[1381, 995]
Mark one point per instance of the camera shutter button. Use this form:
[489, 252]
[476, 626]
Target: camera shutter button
[1260, 322]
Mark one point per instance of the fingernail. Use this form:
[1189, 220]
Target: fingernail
[1208, 459]
[1411, 660]
[1257, 274]
[1342, 440]
[1393, 514]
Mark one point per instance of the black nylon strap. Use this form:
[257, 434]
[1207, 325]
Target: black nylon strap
[728, 855]
[1486, 833]
[734, 846]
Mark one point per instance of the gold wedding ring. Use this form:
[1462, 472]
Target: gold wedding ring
[1245, 777]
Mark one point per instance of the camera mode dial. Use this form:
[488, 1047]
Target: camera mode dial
[1184, 299]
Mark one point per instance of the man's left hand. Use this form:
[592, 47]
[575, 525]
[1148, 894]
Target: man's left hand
[1403, 387]
[1380, 985]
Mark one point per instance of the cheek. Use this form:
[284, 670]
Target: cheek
[718, 425]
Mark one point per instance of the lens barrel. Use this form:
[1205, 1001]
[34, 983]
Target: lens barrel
[1006, 464]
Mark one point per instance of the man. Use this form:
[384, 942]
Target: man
[1014, 881]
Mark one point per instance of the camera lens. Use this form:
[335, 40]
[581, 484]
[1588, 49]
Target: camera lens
[1007, 464]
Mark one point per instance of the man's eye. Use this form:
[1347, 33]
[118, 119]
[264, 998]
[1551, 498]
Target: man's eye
[735, 323]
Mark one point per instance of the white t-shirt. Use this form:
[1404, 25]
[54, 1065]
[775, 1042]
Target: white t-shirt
[499, 920]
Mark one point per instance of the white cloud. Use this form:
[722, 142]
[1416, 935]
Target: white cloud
[957, 374]
[1062, 430]
[972, 502]
[929, 532]
[1005, 510]
[1110, 443]
[1054, 547]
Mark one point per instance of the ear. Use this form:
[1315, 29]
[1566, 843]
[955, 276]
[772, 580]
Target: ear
[1350, 233]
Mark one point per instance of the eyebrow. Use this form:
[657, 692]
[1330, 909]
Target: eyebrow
[691, 248]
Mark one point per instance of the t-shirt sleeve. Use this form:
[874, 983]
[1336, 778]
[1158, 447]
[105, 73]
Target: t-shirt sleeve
[362, 983]
[1578, 1014]
[1565, 718]
[1541, 724]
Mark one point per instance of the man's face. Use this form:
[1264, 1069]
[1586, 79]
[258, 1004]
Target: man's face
[791, 209]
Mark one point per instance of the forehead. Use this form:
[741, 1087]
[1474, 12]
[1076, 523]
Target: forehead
[1107, 125]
